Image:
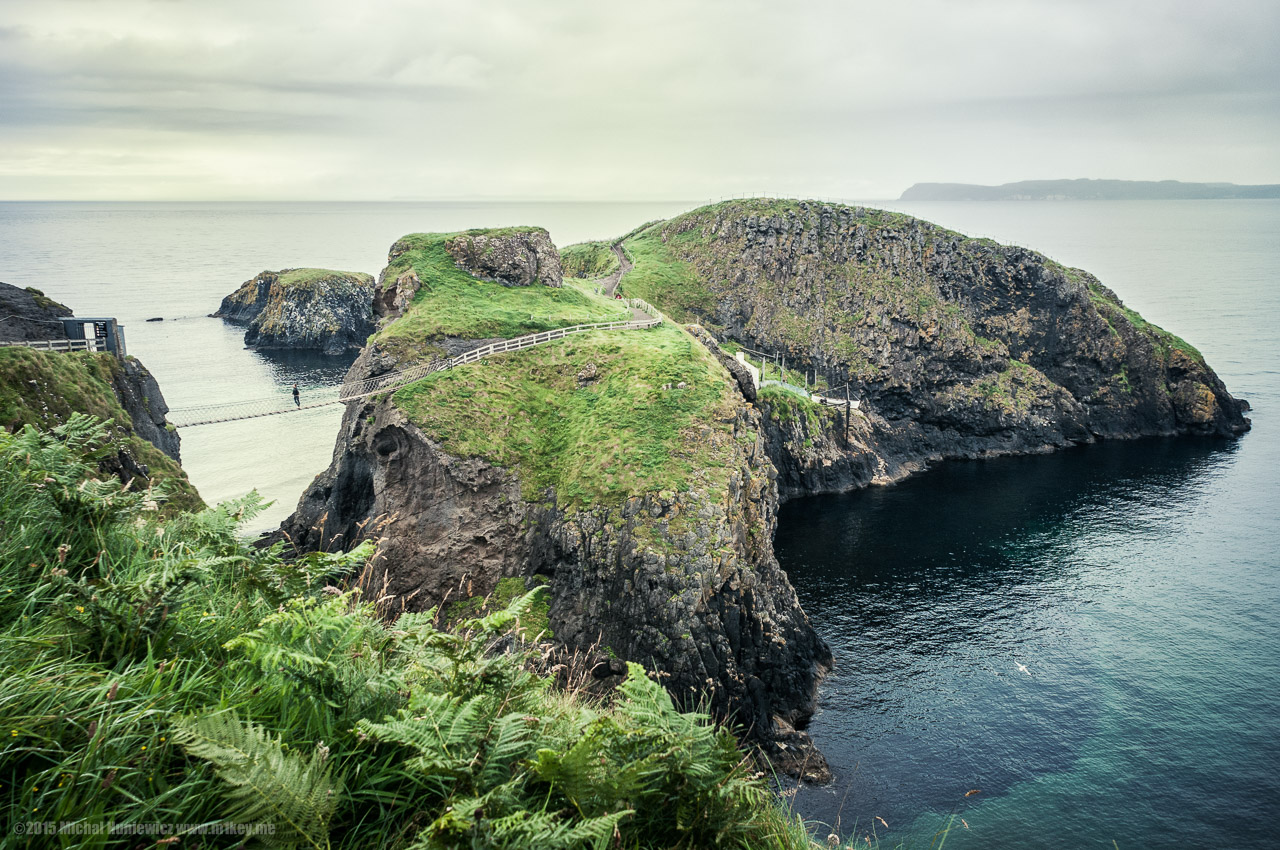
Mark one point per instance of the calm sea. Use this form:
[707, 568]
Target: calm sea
[1091, 639]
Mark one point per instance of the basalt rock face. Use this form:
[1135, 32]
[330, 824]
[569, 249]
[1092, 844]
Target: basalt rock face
[957, 348]
[140, 396]
[29, 315]
[685, 583]
[303, 308]
[514, 257]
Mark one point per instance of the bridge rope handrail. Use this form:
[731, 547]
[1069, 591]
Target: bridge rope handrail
[208, 414]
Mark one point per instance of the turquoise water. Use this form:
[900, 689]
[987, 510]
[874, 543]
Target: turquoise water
[1137, 583]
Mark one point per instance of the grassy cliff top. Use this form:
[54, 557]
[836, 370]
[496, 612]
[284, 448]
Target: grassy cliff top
[43, 389]
[452, 303]
[588, 260]
[588, 415]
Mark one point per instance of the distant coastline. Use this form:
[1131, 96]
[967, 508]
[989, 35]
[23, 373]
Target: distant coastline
[1088, 190]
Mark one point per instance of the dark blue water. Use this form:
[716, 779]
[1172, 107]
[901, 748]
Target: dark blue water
[1137, 583]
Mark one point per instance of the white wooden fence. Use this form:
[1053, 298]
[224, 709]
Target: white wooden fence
[56, 344]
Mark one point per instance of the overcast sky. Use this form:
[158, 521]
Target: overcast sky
[650, 99]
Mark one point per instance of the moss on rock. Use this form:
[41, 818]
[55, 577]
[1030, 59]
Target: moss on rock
[44, 388]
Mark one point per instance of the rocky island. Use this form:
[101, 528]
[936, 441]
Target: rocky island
[954, 347]
[638, 473]
[329, 311]
[617, 466]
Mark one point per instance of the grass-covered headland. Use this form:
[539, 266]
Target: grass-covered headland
[160, 670]
[450, 302]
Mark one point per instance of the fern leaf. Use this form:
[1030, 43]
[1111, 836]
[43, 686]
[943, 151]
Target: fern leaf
[267, 785]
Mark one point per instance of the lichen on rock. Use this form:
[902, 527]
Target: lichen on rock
[330, 311]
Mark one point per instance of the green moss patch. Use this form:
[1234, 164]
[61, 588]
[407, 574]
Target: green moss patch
[1015, 391]
[44, 302]
[787, 407]
[1110, 309]
[598, 417]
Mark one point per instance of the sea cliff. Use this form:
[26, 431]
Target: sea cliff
[44, 389]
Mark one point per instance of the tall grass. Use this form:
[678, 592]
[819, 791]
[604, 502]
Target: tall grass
[162, 671]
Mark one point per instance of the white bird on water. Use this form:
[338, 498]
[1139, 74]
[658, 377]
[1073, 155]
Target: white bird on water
[1023, 668]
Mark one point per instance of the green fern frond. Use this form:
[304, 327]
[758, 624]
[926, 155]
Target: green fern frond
[298, 796]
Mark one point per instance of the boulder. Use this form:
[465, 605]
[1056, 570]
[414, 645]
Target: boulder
[512, 257]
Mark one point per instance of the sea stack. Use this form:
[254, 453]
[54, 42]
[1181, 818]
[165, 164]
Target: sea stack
[318, 309]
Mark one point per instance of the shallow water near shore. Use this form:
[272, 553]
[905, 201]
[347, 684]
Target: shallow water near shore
[1136, 582]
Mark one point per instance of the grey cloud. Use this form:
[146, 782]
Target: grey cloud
[569, 98]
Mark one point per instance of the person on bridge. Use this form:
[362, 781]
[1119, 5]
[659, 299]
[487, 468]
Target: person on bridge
[296, 401]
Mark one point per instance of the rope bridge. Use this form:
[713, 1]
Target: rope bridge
[208, 414]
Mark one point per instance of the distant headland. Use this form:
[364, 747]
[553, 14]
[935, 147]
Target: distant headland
[1088, 190]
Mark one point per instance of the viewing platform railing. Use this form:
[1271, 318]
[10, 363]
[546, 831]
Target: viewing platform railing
[56, 344]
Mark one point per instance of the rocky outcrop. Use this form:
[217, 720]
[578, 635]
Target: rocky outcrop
[303, 308]
[522, 256]
[685, 583]
[29, 315]
[957, 348]
[393, 297]
[139, 394]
